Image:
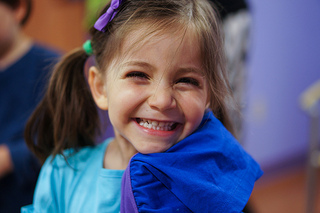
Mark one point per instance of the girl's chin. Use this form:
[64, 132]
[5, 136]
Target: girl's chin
[151, 150]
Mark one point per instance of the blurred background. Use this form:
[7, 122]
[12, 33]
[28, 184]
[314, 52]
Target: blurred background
[283, 62]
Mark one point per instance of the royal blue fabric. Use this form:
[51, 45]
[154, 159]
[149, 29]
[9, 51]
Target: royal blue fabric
[208, 171]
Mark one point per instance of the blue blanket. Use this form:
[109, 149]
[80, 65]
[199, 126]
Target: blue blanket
[208, 171]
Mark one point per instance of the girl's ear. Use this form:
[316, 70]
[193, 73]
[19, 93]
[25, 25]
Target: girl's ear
[208, 102]
[208, 105]
[96, 84]
[20, 11]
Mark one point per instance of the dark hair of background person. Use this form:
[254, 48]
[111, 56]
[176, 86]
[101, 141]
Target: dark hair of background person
[230, 6]
[15, 3]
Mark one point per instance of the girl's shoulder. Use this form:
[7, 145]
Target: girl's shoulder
[61, 178]
[76, 158]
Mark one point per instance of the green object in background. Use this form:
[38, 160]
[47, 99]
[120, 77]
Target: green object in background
[93, 8]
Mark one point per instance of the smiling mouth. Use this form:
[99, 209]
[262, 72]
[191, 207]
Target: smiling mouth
[156, 125]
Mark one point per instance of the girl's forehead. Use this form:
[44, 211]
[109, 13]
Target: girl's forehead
[142, 43]
[143, 36]
[166, 49]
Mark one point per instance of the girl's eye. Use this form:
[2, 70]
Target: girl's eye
[137, 74]
[188, 81]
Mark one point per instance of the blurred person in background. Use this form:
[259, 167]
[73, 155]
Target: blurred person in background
[236, 20]
[24, 65]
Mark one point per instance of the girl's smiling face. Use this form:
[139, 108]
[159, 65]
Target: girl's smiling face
[156, 95]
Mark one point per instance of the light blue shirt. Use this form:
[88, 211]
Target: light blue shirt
[81, 185]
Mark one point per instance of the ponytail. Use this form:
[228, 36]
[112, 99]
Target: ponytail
[67, 116]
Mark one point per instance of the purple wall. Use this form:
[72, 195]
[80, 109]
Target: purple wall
[284, 60]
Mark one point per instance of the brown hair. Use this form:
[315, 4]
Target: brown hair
[67, 116]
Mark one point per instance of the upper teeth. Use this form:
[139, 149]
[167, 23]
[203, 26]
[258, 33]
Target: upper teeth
[164, 126]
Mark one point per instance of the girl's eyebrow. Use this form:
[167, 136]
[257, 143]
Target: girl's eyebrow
[139, 64]
[182, 70]
[190, 70]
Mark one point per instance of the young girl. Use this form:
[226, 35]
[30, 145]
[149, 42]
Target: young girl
[160, 75]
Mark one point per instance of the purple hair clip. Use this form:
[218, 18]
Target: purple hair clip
[105, 18]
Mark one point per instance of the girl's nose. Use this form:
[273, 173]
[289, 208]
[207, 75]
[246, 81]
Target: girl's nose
[162, 99]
